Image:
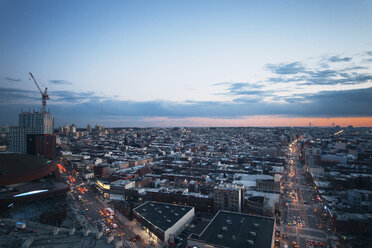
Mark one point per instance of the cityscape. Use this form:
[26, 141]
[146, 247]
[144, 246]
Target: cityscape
[190, 124]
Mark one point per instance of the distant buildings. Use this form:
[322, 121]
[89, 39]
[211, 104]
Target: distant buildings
[99, 128]
[73, 128]
[34, 135]
[65, 129]
[89, 128]
[74, 132]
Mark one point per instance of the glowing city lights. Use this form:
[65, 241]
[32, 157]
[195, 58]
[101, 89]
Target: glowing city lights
[31, 193]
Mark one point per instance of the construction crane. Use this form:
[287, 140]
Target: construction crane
[44, 96]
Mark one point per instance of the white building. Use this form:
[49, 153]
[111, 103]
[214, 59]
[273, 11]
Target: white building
[73, 128]
[88, 175]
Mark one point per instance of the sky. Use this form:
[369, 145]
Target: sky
[188, 63]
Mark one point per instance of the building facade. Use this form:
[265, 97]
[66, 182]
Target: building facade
[34, 135]
[228, 197]
[271, 186]
[163, 222]
[312, 156]
[117, 189]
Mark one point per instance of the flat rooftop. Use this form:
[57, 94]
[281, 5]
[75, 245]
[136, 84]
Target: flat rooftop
[229, 229]
[13, 163]
[162, 215]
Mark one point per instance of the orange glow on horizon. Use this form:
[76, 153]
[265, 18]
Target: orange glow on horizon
[262, 121]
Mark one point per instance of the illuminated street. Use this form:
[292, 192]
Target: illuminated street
[89, 207]
[301, 219]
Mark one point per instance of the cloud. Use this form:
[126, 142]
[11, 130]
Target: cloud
[326, 103]
[59, 82]
[339, 59]
[355, 68]
[11, 95]
[239, 89]
[355, 102]
[321, 73]
[324, 65]
[284, 69]
[252, 92]
[246, 99]
[299, 75]
[12, 79]
[240, 86]
[369, 53]
[321, 78]
[74, 97]
[283, 93]
[221, 83]
[322, 104]
[286, 80]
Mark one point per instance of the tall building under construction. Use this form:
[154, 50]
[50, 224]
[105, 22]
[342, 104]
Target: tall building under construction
[34, 135]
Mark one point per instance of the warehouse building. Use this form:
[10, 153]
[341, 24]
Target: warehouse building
[231, 229]
[163, 221]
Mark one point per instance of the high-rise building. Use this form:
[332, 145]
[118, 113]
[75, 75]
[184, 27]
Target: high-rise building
[37, 122]
[34, 135]
[45, 145]
[228, 197]
[89, 128]
[312, 156]
[99, 128]
[73, 128]
[66, 129]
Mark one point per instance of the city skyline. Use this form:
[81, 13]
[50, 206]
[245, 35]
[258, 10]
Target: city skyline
[189, 63]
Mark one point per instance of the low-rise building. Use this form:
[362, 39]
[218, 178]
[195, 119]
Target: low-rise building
[163, 221]
[117, 189]
[272, 186]
[88, 175]
[229, 229]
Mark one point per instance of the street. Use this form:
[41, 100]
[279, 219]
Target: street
[89, 208]
[304, 219]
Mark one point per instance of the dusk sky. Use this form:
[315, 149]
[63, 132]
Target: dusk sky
[188, 63]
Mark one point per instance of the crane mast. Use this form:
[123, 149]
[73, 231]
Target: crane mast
[44, 95]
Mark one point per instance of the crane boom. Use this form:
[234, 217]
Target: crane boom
[36, 83]
[44, 96]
